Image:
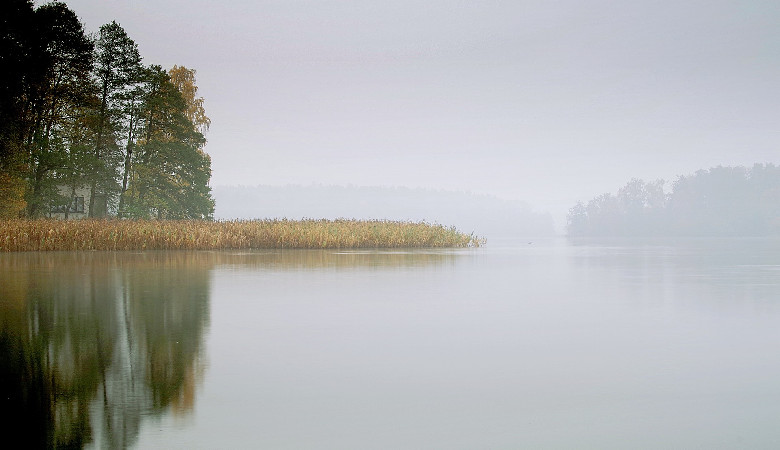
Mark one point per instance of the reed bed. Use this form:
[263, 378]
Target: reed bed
[49, 235]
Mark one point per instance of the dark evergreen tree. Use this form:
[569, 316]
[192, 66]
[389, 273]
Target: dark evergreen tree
[46, 59]
[117, 71]
[56, 101]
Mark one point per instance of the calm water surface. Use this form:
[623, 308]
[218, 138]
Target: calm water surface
[550, 344]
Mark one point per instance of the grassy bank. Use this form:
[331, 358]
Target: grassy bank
[44, 235]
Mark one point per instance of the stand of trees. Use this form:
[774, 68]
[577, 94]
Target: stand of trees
[82, 111]
[721, 201]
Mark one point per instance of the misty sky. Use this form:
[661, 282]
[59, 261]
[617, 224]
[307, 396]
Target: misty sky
[544, 101]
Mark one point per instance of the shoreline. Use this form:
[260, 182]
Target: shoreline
[20, 235]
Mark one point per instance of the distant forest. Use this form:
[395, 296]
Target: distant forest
[484, 215]
[721, 201]
[86, 128]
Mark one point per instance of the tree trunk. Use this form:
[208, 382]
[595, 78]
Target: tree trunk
[35, 204]
[128, 158]
[92, 188]
[121, 207]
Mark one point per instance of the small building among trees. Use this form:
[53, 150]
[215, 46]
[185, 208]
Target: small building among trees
[75, 204]
[88, 130]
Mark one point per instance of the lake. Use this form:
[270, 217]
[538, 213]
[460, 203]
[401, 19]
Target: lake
[546, 344]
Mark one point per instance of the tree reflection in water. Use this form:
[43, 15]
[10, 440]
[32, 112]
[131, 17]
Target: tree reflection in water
[92, 342]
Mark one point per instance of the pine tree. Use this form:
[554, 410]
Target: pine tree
[117, 71]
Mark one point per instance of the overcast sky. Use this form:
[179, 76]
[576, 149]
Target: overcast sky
[546, 101]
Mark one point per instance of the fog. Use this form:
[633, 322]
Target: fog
[720, 201]
[645, 130]
[486, 216]
[548, 103]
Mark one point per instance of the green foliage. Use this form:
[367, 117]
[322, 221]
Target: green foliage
[50, 57]
[170, 172]
[21, 56]
[78, 112]
[117, 70]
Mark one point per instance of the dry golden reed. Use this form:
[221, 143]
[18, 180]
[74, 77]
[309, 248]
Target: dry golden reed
[19, 235]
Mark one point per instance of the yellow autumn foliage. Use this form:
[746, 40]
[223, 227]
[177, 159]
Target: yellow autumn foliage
[12, 202]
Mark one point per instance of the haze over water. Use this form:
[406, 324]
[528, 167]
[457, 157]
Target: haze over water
[533, 343]
[550, 344]
[544, 102]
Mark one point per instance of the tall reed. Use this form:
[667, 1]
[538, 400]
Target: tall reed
[48, 234]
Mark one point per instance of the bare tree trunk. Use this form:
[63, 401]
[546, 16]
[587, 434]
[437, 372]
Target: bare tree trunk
[128, 159]
[92, 188]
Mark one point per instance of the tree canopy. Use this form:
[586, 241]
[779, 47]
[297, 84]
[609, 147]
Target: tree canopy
[84, 112]
[720, 201]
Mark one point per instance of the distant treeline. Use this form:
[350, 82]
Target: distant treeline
[484, 215]
[721, 201]
[87, 129]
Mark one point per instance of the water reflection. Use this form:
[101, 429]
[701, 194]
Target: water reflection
[90, 343]
[733, 268]
[330, 259]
